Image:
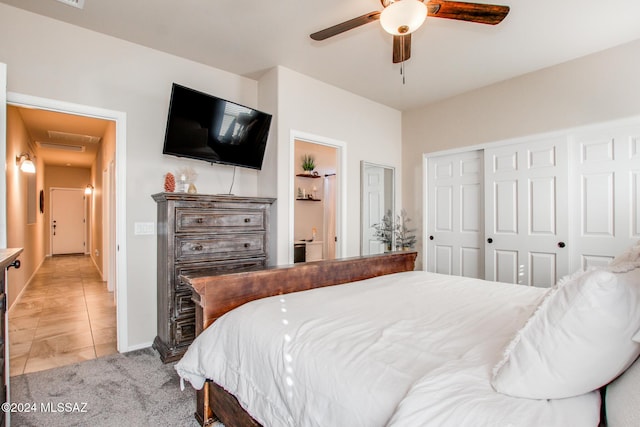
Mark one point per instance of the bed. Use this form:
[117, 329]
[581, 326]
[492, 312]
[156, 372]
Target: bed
[397, 347]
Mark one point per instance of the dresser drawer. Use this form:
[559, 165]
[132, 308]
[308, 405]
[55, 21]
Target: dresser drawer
[184, 329]
[183, 304]
[218, 220]
[221, 246]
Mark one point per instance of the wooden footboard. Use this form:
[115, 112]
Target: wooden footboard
[217, 294]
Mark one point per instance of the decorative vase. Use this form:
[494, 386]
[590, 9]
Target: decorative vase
[169, 183]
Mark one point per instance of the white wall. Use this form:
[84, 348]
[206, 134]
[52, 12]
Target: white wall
[49, 59]
[592, 89]
[370, 131]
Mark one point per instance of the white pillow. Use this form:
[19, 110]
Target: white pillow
[630, 255]
[622, 399]
[578, 339]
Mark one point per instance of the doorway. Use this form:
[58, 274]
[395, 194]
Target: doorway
[316, 203]
[315, 230]
[112, 226]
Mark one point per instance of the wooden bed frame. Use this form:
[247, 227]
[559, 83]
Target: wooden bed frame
[217, 294]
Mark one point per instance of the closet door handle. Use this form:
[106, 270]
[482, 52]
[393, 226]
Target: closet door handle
[561, 244]
[430, 237]
[489, 240]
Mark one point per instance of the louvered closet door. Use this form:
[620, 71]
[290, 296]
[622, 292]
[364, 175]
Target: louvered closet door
[526, 226]
[454, 215]
[605, 193]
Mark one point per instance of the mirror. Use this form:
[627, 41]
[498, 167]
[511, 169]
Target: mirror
[378, 196]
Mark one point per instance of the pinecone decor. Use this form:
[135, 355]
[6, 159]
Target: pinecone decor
[169, 183]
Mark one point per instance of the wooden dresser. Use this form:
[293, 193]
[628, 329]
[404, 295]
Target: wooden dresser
[7, 259]
[202, 234]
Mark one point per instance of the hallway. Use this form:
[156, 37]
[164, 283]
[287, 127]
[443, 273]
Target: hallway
[64, 316]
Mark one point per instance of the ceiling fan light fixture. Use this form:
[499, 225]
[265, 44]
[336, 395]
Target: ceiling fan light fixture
[403, 17]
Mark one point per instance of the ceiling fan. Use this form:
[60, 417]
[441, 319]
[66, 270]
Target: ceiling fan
[402, 17]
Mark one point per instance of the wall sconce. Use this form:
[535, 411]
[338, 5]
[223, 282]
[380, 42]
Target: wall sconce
[88, 189]
[25, 163]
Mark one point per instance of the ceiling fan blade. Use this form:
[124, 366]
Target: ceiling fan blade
[401, 48]
[345, 26]
[481, 13]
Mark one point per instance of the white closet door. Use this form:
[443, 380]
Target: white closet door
[605, 193]
[455, 220]
[526, 227]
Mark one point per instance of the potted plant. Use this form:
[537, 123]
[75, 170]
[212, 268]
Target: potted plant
[308, 163]
[396, 233]
[384, 230]
[405, 236]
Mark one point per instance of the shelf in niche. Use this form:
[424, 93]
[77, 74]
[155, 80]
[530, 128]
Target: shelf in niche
[307, 175]
[309, 200]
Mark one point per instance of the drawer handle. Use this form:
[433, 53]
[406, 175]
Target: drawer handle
[199, 220]
[246, 245]
[197, 248]
[247, 220]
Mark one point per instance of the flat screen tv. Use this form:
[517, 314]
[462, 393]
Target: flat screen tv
[204, 127]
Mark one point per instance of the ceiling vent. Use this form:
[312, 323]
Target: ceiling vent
[75, 3]
[73, 137]
[65, 147]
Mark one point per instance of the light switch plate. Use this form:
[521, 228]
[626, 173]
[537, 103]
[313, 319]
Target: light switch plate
[144, 228]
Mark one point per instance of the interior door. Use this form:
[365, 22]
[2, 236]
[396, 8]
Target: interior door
[454, 215]
[67, 221]
[526, 212]
[606, 183]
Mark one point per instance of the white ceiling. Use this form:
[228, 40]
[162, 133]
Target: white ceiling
[247, 37]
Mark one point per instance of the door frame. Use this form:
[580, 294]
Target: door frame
[341, 188]
[120, 119]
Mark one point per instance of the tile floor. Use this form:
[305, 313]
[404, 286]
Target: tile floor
[66, 315]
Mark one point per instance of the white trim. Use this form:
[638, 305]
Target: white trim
[120, 118]
[425, 210]
[3, 157]
[140, 346]
[628, 121]
[341, 174]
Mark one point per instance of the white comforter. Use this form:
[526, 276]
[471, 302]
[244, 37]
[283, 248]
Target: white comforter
[409, 349]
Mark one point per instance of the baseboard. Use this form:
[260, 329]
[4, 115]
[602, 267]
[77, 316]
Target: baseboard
[139, 346]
